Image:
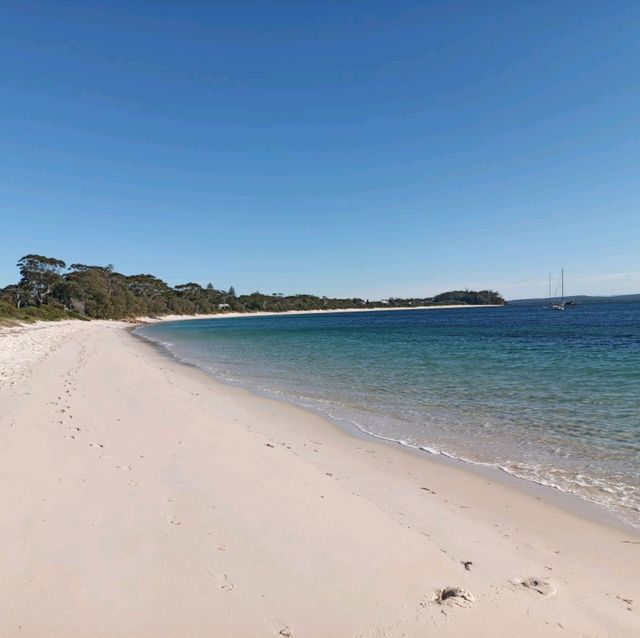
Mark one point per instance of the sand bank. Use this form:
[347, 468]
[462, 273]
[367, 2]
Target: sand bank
[142, 498]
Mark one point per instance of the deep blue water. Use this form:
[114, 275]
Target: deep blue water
[549, 396]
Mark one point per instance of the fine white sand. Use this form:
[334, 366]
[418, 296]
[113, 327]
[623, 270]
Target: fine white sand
[142, 498]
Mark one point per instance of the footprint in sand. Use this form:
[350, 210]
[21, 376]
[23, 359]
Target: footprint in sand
[285, 632]
[454, 596]
[542, 586]
[224, 582]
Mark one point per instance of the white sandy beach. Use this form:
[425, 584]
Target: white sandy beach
[142, 498]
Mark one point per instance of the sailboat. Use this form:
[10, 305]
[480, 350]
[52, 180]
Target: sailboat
[561, 305]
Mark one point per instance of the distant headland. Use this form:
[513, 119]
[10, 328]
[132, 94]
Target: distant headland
[49, 290]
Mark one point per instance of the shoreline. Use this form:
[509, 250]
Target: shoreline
[260, 313]
[160, 502]
[573, 503]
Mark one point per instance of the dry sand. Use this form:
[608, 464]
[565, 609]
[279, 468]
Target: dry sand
[142, 498]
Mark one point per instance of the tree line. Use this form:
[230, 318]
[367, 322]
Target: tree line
[49, 289]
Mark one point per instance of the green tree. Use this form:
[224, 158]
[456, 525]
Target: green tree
[39, 276]
[89, 289]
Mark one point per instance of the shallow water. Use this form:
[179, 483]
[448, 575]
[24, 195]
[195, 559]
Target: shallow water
[553, 397]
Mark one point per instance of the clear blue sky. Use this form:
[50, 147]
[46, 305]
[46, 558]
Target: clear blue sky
[343, 148]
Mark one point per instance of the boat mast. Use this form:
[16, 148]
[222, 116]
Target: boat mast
[549, 286]
[563, 286]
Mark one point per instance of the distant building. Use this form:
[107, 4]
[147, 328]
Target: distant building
[223, 306]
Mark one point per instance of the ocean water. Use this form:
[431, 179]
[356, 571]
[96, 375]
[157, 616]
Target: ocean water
[552, 397]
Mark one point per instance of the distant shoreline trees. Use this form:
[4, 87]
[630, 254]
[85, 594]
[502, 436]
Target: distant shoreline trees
[48, 287]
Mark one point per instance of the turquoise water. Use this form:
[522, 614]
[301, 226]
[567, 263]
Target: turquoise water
[553, 397]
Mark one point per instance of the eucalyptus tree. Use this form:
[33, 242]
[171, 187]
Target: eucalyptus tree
[39, 276]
